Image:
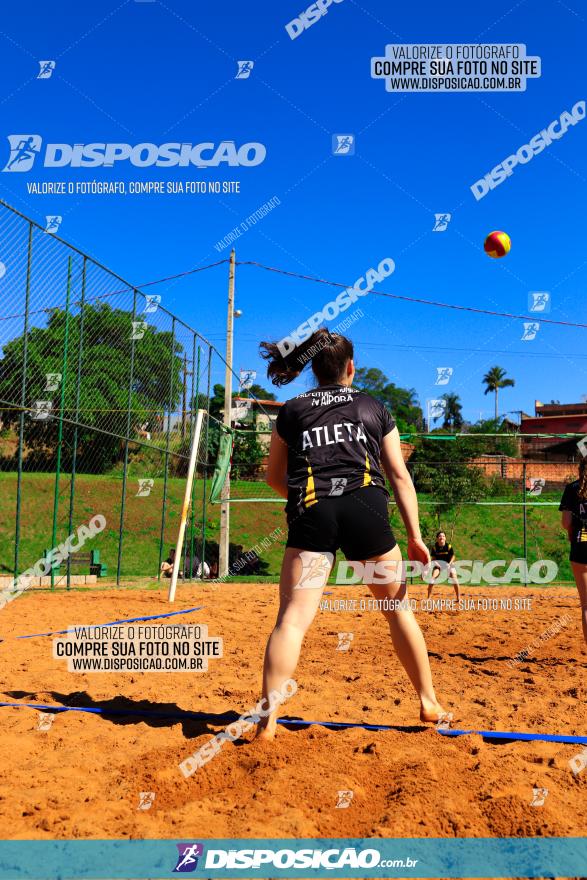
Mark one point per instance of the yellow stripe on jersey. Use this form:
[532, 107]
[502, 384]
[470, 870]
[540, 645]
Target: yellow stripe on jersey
[367, 474]
[310, 497]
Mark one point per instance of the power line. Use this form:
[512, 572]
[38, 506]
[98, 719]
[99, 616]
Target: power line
[412, 299]
[126, 289]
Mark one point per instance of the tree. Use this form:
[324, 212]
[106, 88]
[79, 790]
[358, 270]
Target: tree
[105, 377]
[476, 443]
[453, 412]
[441, 471]
[494, 379]
[403, 402]
[261, 393]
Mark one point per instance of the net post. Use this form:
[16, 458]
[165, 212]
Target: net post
[126, 440]
[525, 521]
[186, 504]
[23, 392]
[78, 384]
[61, 411]
[224, 542]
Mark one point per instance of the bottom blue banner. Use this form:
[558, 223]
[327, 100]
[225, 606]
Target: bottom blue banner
[353, 857]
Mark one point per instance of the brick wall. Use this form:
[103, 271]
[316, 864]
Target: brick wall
[407, 449]
[559, 472]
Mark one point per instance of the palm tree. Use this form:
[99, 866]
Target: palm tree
[495, 378]
[452, 412]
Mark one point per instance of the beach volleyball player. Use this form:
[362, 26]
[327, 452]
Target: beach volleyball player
[443, 556]
[574, 519]
[326, 456]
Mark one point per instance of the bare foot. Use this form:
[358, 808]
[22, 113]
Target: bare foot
[431, 712]
[265, 732]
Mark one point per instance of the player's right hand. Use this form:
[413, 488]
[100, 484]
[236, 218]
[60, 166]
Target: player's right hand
[418, 551]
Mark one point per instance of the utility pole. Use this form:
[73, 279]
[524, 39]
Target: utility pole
[223, 552]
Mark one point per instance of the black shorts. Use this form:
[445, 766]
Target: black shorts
[357, 523]
[579, 552]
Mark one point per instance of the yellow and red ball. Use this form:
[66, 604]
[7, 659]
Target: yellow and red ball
[497, 244]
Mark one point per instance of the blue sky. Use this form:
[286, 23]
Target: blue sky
[155, 72]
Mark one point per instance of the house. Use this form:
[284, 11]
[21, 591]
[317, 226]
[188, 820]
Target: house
[259, 415]
[553, 419]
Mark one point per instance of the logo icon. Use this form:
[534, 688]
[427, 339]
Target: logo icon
[23, 151]
[344, 641]
[187, 861]
[540, 795]
[578, 762]
[45, 721]
[344, 799]
[53, 222]
[53, 381]
[338, 485]
[441, 222]
[539, 301]
[537, 484]
[138, 329]
[41, 410]
[153, 301]
[315, 570]
[436, 409]
[46, 69]
[443, 375]
[2, 269]
[531, 328]
[444, 721]
[246, 379]
[146, 799]
[145, 487]
[241, 411]
[343, 145]
[244, 69]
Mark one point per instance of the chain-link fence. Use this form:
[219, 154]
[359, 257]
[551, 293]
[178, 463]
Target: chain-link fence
[99, 386]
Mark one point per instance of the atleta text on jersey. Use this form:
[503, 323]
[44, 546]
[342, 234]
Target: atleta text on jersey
[334, 436]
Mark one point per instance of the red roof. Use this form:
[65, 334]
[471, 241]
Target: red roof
[260, 401]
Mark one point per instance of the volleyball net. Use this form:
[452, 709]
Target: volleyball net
[491, 502]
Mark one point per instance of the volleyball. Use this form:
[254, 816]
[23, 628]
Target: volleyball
[497, 244]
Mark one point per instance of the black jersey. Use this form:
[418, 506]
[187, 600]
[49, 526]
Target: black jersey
[444, 554]
[334, 435]
[578, 507]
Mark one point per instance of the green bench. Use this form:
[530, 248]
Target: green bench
[91, 558]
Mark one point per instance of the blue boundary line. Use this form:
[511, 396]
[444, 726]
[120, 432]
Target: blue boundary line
[60, 632]
[486, 734]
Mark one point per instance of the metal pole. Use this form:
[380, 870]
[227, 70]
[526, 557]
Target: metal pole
[128, 422]
[60, 428]
[186, 503]
[77, 402]
[195, 404]
[164, 508]
[223, 555]
[206, 447]
[22, 400]
[525, 519]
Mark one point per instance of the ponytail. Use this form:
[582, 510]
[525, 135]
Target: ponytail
[328, 352]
